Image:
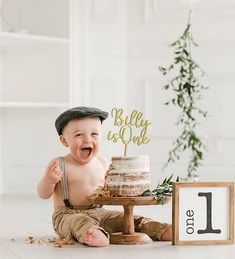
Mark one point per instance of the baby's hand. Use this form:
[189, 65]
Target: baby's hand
[53, 173]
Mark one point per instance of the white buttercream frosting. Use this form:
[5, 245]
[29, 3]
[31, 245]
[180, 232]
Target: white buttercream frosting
[128, 175]
[137, 163]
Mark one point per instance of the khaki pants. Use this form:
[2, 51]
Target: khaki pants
[74, 223]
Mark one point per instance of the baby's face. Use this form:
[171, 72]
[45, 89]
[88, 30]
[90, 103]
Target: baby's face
[83, 137]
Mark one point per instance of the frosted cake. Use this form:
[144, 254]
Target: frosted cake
[128, 176]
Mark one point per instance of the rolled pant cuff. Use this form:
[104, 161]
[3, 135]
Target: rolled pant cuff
[164, 228]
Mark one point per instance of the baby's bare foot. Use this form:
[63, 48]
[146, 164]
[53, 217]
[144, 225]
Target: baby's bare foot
[167, 234]
[95, 237]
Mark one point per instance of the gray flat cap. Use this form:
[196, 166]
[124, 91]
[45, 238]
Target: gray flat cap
[78, 113]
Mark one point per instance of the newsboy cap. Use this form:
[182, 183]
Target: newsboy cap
[78, 113]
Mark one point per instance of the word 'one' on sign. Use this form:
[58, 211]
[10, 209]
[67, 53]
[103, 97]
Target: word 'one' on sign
[203, 213]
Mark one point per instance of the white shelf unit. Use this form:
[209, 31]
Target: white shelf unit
[16, 39]
[34, 89]
[33, 105]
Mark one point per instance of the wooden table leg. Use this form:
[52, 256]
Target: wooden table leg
[129, 236]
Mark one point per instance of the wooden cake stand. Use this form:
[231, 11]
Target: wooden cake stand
[128, 235]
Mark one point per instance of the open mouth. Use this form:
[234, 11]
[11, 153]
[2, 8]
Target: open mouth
[86, 152]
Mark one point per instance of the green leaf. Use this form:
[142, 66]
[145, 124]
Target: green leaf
[162, 190]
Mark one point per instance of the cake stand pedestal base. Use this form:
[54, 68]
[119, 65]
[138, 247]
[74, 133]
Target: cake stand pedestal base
[131, 239]
[128, 235]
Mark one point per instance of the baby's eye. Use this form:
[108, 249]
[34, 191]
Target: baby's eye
[94, 134]
[79, 135]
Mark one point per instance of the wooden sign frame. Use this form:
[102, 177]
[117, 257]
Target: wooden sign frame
[209, 203]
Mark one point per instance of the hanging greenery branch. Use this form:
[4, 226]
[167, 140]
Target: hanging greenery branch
[187, 92]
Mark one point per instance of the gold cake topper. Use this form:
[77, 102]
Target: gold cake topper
[127, 125]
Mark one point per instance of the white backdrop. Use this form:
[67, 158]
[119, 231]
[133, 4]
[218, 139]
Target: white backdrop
[125, 43]
[116, 49]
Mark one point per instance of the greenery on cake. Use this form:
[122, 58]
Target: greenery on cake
[187, 92]
[162, 191]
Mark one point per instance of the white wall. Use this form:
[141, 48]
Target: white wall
[126, 42]
[44, 17]
[31, 71]
[0, 119]
[152, 26]
[215, 55]
[117, 47]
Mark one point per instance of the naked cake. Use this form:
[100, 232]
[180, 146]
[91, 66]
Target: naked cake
[128, 176]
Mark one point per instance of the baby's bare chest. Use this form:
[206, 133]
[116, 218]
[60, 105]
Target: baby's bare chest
[86, 177]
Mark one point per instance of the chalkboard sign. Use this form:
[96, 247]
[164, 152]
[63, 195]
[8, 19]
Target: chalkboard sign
[203, 213]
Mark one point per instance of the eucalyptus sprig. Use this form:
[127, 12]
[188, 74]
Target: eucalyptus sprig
[162, 190]
[187, 92]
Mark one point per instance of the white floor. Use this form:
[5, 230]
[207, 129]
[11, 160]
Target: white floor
[24, 216]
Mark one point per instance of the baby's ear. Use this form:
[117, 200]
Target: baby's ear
[63, 141]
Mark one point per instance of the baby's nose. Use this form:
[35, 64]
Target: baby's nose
[87, 138]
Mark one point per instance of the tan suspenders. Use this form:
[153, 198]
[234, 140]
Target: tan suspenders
[64, 183]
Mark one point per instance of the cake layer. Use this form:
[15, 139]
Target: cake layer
[140, 163]
[115, 176]
[128, 190]
[128, 176]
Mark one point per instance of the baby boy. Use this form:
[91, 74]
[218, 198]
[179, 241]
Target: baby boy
[70, 179]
